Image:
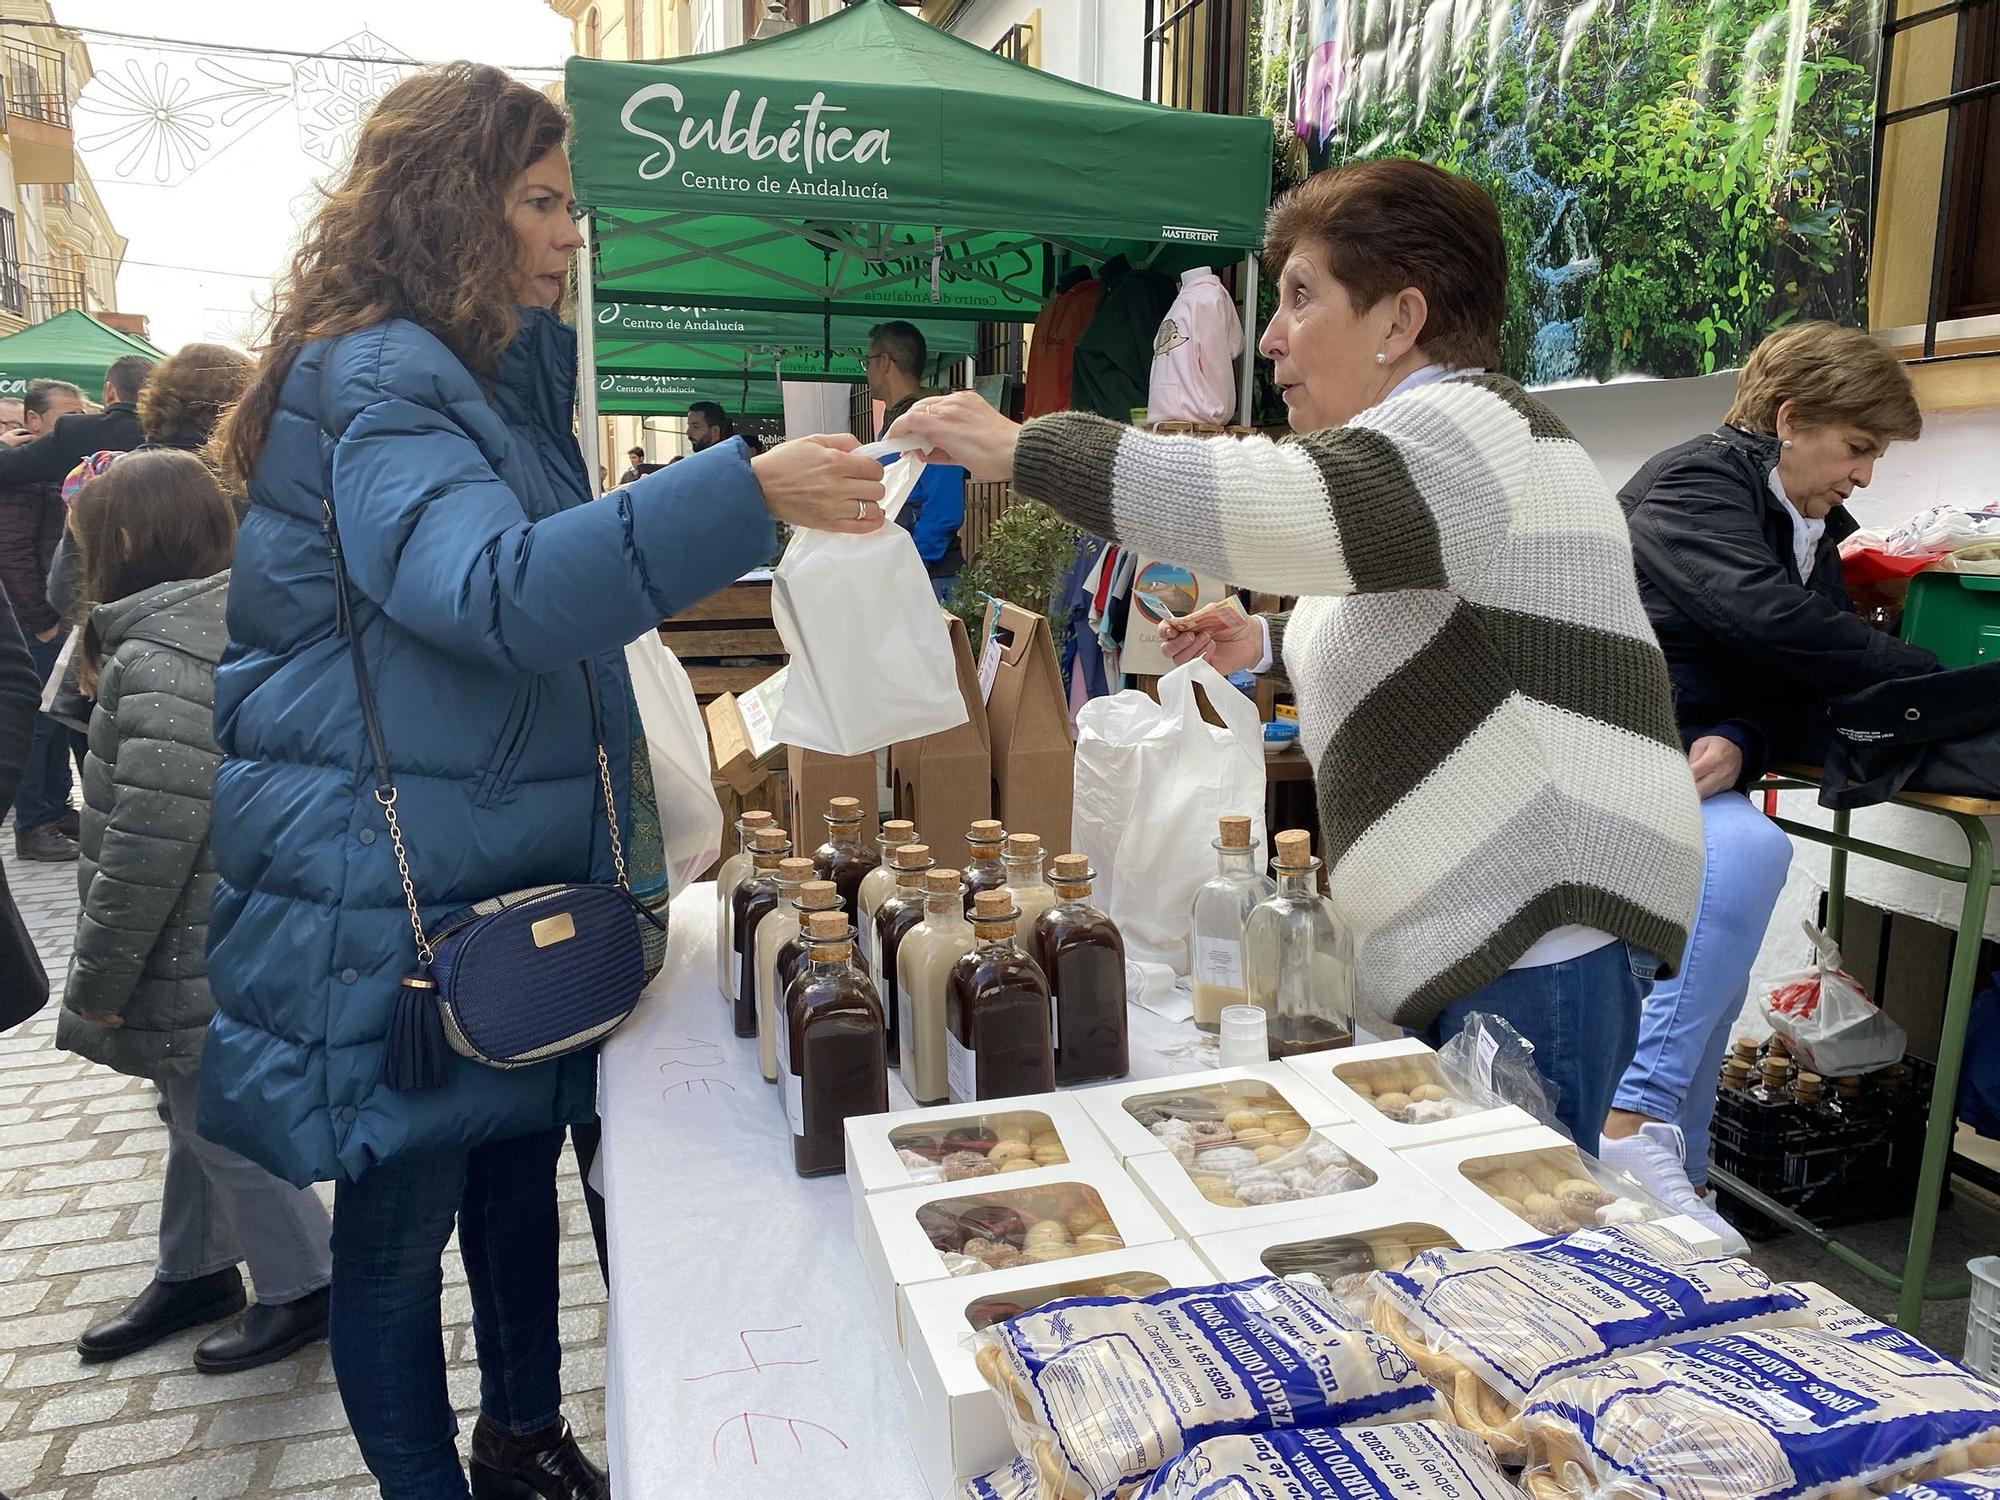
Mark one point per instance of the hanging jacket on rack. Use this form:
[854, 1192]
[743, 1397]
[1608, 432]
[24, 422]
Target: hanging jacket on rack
[1114, 358]
[1052, 350]
[1194, 354]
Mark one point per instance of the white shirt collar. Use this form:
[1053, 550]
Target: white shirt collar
[1197, 276]
[1427, 375]
[1805, 534]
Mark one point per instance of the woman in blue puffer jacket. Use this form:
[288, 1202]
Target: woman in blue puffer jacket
[417, 378]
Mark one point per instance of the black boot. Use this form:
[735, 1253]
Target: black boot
[547, 1466]
[165, 1307]
[266, 1332]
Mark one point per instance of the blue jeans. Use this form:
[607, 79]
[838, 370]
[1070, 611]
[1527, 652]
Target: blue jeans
[942, 587]
[1685, 1029]
[1583, 1018]
[45, 784]
[389, 1233]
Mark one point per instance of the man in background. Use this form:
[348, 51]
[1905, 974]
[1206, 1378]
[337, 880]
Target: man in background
[635, 466]
[935, 510]
[71, 439]
[707, 425]
[31, 524]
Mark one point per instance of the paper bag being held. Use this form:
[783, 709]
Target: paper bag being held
[871, 660]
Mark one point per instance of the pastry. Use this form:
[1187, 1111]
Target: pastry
[963, 1164]
[1006, 1151]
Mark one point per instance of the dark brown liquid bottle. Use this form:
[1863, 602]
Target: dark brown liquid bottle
[845, 858]
[831, 1061]
[987, 871]
[895, 918]
[997, 1043]
[1082, 954]
[814, 895]
[754, 900]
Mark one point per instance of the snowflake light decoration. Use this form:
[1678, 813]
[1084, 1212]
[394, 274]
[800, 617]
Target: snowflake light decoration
[334, 94]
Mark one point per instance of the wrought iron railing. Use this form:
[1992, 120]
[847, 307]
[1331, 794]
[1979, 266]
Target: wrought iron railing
[1014, 42]
[52, 290]
[13, 289]
[37, 83]
[1195, 54]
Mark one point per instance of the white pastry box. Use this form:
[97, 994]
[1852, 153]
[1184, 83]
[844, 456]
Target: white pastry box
[974, 1221]
[909, 1148]
[942, 1318]
[1505, 1177]
[1344, 1242]
[1210, 1095]
[1355, 1078]
[1342, 1169]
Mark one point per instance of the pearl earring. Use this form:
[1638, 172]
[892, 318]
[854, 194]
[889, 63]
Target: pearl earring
[1786, 443]
[1383, 359]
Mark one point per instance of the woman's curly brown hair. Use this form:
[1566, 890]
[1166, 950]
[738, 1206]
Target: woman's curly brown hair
[190, 389]
[416, 229]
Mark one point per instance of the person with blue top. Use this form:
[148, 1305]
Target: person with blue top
[935, 510]
[416, 393]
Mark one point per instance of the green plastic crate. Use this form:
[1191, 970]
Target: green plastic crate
[1955, 616]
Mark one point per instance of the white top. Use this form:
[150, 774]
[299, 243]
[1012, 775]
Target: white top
[1805, 534]
[1194, 353]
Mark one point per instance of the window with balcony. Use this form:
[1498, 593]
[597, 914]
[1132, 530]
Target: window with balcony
[13, 288]
[1195, 53]
[1972, 230]
[37, 83]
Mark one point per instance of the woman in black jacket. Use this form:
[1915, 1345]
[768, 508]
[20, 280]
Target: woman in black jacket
[1736, 536]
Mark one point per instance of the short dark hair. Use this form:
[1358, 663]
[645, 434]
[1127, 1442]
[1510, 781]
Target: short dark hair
[42, 394]
[713, 414]
[1393, 223]
[638, 454]
[903, 343]
[127, 376]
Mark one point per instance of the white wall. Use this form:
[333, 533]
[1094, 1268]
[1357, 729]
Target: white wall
[1088, 41]
[1957, 461]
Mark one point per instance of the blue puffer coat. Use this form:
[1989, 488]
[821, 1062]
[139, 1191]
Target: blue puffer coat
[484, 575]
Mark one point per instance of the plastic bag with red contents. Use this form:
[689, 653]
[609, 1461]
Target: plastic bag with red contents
[1828, 1020]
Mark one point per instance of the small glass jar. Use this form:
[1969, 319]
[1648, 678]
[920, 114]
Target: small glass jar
[1298, 959]
[1221, 907]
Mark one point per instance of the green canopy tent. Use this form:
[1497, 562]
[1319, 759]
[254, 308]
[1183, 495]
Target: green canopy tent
[707, 341]
[71, 346]
[752, 394]
[872, 165]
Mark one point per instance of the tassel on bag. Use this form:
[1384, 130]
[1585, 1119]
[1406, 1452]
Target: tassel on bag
[416, 1054]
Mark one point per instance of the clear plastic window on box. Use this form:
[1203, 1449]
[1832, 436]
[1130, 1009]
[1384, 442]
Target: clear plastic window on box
[1002, 1228]
[981, 1144]
[1557, 1191]
[1411, 1089]
[1243, 1145]
[982, 1313]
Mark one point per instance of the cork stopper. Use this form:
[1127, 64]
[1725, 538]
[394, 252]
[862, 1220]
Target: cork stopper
[1810, 1080]
[819, 895]
[911, 857]
[769, 846]
[750, 822]
[1745, 1048]
[1779, 1047]
[1235, 831]
[844, 810]
[899, 831]
[943, 883]
[1847, 1088]
[1736, 1073]
[827, 926]
[1777, 1070]
[795, 871]
[1023, 845]
[994, 914]
[1071, 875]
[985, 833]
[1294, 849]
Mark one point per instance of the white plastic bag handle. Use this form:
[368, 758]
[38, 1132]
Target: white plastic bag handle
[1238, 713]
[902, 481]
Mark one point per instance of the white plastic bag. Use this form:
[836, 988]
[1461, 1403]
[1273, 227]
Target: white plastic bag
[871, 661]
[677, 749]
[1151, 779]
[1827, 1020]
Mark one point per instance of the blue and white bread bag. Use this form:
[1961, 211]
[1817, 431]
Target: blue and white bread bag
[1489, 1327]
[1406, 1461]
[1099, 1392]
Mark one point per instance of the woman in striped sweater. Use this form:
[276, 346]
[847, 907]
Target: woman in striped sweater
[1508, 819]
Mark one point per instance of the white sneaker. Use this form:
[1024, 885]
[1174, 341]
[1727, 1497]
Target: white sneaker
[1656, 1158]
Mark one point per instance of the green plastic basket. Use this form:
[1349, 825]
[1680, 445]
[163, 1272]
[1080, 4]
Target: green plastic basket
[1956, 616]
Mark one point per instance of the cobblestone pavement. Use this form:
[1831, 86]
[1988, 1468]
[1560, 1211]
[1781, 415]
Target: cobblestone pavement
[82, 1158]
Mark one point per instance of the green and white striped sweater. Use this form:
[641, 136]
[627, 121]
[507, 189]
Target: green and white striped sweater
[1487, 713]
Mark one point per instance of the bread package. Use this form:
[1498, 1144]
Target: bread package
[1488, 1327]
[1015, 1482]
[1763, 1414]
[1980, 1484]
[1099, 1392]
[1407, 1461]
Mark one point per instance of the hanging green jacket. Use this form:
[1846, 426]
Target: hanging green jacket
[146, 876]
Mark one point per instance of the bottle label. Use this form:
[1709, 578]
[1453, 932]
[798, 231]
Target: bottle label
[1218, 962]
[961, 1066]
[906, 1033]
[864, 945]
[795, 1102]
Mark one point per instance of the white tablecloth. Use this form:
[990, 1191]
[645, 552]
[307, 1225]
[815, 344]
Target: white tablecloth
[744, 1357]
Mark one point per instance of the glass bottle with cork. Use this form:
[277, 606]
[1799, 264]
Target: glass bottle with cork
[1775, 1086]
[877, 886]
[776, 930]
[844, 858]
[830, 1054]
[755, 900]
[1297, 959]
[897, 917]
[985, 871]
[924, 963]
[730, 876]
[1082, 955]
[997, 1044]
[814, 895]
[1022, 854]
[1221, 907]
